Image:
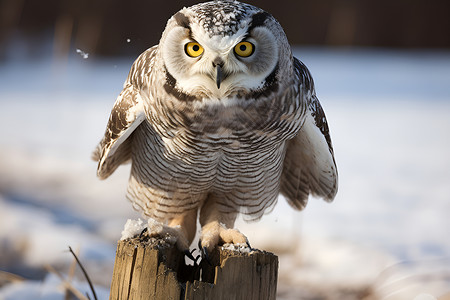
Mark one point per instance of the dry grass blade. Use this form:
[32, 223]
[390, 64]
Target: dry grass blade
[66, 283]
[70, 276]
[85, 273]
[10, 277]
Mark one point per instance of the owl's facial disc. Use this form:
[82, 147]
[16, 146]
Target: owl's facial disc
[219, 65]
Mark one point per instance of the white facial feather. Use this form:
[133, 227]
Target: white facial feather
[218, 43]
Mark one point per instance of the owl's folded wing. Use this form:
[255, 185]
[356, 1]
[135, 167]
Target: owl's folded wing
[115, 147]
[309, 166]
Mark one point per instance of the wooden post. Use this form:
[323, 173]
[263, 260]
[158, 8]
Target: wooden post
[149, 268]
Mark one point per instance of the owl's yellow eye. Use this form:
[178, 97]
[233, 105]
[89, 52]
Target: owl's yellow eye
[193, 49]
[244, 49]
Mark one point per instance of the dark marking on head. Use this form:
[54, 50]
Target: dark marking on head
[258, 20]
[230, 14]
[270, 86]
[182, 20]
[170, 87]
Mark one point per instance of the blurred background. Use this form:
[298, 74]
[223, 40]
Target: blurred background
[101, 27]
[382, 74]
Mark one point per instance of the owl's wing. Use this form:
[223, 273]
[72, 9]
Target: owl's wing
[115, 147]
[126, 115]
[309, 166]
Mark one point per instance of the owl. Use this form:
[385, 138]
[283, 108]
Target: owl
[217, 120]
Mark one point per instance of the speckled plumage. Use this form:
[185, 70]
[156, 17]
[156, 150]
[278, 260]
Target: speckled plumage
[219, 150]
[225, 21]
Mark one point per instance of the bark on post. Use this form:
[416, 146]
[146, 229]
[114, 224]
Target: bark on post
[148, 268]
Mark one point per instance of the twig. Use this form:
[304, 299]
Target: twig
[66, 284]
[72, 268]
[85, 273]
[70, 276]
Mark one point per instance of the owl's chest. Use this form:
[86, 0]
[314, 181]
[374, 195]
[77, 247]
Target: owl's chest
[215, 140]
[212, 146]
[224, 125]
[221, 161]
[220, 138]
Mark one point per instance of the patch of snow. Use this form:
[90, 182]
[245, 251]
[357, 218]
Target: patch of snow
[240, 248]
[51, 288]
[414, 280]
[424, 296]
[132, 228]
[36, 236]
[154, 226]
[334, 263]
[157, 228]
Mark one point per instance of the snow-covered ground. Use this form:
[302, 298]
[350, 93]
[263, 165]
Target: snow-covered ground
[386, 234]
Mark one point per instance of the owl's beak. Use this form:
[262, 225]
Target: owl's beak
[219, 75]
[218, 64]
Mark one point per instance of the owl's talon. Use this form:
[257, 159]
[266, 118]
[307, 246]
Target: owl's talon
[143, 231]
[204, 252]
[206, 256]
[248, 245]
[215, 234]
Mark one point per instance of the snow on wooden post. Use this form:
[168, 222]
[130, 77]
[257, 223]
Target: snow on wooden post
[148, 268]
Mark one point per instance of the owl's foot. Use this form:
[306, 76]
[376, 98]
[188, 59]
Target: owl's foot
[173, 234]
[216, 233]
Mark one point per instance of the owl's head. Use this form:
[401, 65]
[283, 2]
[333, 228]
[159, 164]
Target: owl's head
[224, 48]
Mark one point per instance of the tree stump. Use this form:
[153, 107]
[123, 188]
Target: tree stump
[149, 268]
